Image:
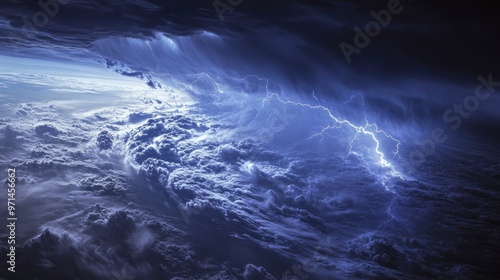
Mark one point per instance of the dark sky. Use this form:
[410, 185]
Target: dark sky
[445, 36]
[446, 41]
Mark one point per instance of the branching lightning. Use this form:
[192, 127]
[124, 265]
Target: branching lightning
[191, 86]
[371, 130]
[368, 129]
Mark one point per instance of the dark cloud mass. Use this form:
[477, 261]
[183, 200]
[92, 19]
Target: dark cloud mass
[444, 38]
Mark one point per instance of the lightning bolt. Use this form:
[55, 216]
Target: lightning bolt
[394, 220]
[353, 97]
[314, 95]
[368, 129]
[371, 130]
[199, 76]
[191, 86]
